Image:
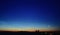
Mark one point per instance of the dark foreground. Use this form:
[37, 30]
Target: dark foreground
[30, 33]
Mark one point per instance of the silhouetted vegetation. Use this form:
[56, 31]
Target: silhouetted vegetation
[37, 32]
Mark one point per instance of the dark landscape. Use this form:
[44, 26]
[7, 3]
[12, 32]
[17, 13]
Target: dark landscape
[30, 33]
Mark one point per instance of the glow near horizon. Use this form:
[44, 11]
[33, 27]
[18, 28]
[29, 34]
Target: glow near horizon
[27, 29]
[24, 27]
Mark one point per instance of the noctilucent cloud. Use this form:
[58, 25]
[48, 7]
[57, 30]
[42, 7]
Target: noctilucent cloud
[29, 15]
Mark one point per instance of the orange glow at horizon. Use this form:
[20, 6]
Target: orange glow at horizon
[27, 29]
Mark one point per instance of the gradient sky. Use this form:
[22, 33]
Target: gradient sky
[29, 14]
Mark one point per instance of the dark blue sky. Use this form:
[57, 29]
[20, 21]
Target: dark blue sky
[29, 13]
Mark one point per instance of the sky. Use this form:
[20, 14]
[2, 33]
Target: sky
[29, 14]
